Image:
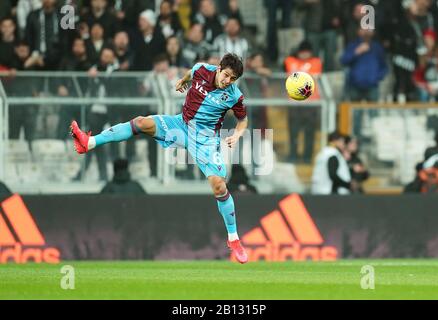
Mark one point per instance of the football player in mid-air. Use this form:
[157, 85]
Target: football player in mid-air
[212, 93]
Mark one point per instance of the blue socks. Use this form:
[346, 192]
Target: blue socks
[117, 133]
[226, 208]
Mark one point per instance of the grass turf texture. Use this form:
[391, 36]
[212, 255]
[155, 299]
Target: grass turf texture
[394, 279]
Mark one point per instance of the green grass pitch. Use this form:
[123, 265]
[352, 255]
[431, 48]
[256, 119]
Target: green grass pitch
[175, 280]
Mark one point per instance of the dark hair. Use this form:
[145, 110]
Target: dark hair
[234, 62]
[334, 136]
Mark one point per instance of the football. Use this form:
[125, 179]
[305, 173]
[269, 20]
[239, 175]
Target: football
[300, 86]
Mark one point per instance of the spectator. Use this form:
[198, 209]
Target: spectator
[407, 45]
[232, 11]
[46, 38]
[258, 86]
[174, 54]
[168, 19]
[7, 43]
[322, 19]
[358, 171]
[426, 79]
[365, 59]
[151, 44]
[23, 9]
[101, 14]
[101, 85]
[352, 14]
[126, 87]
[77, 60]
[210, 20]
[122, 182]
[127, 13]
[95, 43]
[195, 47]
[239, 181]
[124, 54]
[272, 28]
[231, 41]
[303, 118]
[23, 116]
[331, 174]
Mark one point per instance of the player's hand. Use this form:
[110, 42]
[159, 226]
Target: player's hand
[232, 140]
[181, 85]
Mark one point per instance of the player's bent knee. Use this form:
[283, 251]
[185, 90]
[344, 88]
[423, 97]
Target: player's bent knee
[219, 188]
[145, 124]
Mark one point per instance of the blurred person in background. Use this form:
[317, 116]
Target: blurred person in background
[23, 116]
[127, 12]
[96, 42]
[122, 182]
[230, 41]
[150, 41]
[77, 60]
[239, 181]
[101, 85]
[303, 118]
[23, 8]
[366, 62]
[358, 171]
[100, 13]
[209, 18]
[8, 40]
[168, 19]
[407, 45]
[272, 25]
[174, 54]
[331, 174]
[127, 86]
[195, 48]
[322, 20]
[46, 38]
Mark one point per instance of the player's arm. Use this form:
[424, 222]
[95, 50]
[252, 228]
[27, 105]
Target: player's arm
[183, 83]
[242, 122]
[238, 132]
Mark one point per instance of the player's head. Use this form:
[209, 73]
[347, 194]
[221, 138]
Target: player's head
[230, 69]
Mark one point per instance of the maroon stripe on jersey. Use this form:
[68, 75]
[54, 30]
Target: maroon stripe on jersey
[202, 83]
[239, 109]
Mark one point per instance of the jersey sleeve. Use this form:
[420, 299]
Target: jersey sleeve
[207, 66]
[239, 109]
[196, 67]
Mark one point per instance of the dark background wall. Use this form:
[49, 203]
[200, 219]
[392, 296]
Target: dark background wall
[190, 227]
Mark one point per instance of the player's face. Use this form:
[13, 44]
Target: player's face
[225, 78]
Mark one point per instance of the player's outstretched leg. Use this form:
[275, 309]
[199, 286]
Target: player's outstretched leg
[84, 142]
[225, 204]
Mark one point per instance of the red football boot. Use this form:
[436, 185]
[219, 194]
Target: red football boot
[80, 138]
[238, 251]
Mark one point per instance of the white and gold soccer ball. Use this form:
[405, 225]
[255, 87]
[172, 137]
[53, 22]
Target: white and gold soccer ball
[300, 85]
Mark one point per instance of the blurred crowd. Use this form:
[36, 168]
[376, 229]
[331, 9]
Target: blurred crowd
[399, 39]
[169, 36]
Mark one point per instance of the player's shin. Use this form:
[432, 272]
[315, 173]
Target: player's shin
[117, 133]
[226, 208]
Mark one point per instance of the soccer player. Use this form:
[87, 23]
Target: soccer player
[212, 93]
